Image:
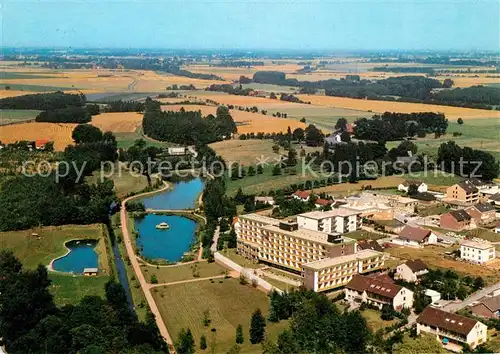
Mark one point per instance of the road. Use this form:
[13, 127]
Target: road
[137, 269]
[453, 307]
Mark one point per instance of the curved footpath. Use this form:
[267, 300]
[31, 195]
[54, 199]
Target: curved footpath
[137, 269]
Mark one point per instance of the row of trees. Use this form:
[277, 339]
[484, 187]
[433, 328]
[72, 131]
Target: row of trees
[124, 106]
[30, 322]
[43, 101]
[71, 114]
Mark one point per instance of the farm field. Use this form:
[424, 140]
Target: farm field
[247, 122]
[70, 289]
[182, 272]
[229, 304]
[59, 133]
[244, 152]
[344, 189]
[434, 257]
[9, 116]
[119, 122]
[401, 107]
[33, 252]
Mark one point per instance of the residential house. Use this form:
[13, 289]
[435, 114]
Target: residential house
[403, 204]
[482, 213]
[265, 200]
[464, 192]
[302, 195]
[370, 245]
[415, 237]
[457, 220]
[477, 252]
[334, 139]
[411, 270]
[177, 151]
[486, 193]
[371, 210]
[478, 183]
[497, 228]
[495, 199]
[434, 295]
[405, 186]
[451, 328]
[334, 221]
[424, 198]
[41, 144]
[487, 307]
[321, 203]
[377, 292]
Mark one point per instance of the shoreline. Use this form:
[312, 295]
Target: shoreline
[50, 266]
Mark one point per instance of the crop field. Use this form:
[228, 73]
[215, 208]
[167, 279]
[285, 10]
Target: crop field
[119, 122]
[245, 101]
[244, 152]
[234, 73]
[435, 258]
[344, 189]
[9, 116]
[59, 133]
[247, 122]
[33, 252]
[401, 107]
[229, 304]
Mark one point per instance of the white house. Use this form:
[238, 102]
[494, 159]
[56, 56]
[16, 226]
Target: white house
[378, 292]
[497, 228]
[302, 195]
[176, 151]
[451, 328]
[333, 221]
[265, 200]
[415, 237]
[405, 186]
[411, 270]
[433, 294]
[477, 252]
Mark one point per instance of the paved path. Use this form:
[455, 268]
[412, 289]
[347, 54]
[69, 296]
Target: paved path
[179, 264]
[137, 269]
[453, 307]
[186, 281]
[281, 278]
[170, 211]
[213, 247]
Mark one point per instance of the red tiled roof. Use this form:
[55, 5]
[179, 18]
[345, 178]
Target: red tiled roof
[446, 320]
[324, 202]
[414, 233]
[41, 143]
[377, 286]
[303, 194]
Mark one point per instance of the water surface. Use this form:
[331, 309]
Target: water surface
[182, 195]
[82, 255]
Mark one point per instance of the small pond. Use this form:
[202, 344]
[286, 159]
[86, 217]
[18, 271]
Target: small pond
[183, 195]
[82, 255]
[166, 244]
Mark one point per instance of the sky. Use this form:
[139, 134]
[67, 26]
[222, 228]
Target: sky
[253, 24]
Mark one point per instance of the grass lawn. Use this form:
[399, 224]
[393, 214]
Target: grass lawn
[126, 140]
[8, 116]
[69, 289]
[434, 257]
[229, 304]
[183, 272]
[279, 284]
[30, 89]
[485, 234]
[125, 182]
[32, 251]
[364, 235]
[374, 321]
[242, 261]
[436, 178]
[437, 209]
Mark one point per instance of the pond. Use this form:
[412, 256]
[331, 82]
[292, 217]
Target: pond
[182, 195]
[82, 255]
[165, 244]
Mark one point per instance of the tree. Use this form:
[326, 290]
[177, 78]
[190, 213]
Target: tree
[478, 283]
[345, 136]
[86, 133]
[447, 83]
[185, 343]
[203, 342]
[412, 190]
[206, 318]
[232, 240]
[239, 334]
[257, 327]
[276, 170]
[298, 134]
[341, 124]
[460, 121]
[314, 136]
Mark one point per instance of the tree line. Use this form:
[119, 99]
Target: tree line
[30, 322]
[396, 126]
[43, 101]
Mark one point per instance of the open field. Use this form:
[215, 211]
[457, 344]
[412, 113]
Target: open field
[33, 252]
[364, 235]
[9, 116]
[488, 235]
[120, 122]
[59, 133]
[434, 257]
[434, 178]
[234, 73]
[374, 321]
[183, 272]
[343, 189]
[401, 107]
[247, 122]
[70, 289]
[244, 152]
[229, 304]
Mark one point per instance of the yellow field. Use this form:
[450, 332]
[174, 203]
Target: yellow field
[470, 80]
[15, 93]
[121, 122]
[245, 101]
[233, 73]
[60, 134]
[401, 107]
[247, 122]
